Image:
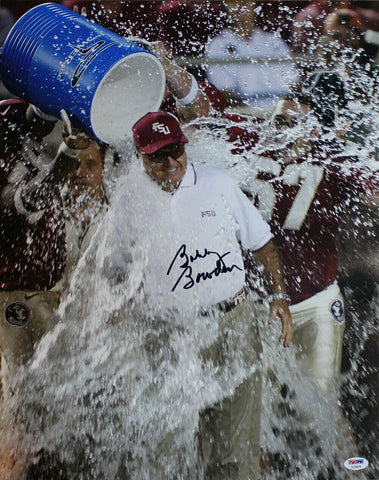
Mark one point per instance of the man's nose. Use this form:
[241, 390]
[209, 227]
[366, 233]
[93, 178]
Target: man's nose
[169, 160]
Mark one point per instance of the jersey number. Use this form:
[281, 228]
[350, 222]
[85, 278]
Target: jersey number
[307, 177]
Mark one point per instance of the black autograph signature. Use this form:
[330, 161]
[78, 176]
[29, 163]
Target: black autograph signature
[184, 261]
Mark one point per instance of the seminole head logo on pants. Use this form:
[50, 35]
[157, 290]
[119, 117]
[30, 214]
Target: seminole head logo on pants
[17, 314]
[337, 310]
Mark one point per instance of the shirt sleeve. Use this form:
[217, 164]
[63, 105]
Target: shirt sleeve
[12, 129]
[252, 232]
[13, 124]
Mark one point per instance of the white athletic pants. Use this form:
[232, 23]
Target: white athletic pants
[319, 324]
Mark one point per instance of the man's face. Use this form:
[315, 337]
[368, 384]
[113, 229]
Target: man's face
[288, 113]
[89, 175]
[344, 27]
[167, 166]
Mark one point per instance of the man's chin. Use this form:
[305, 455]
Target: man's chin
[169, 185]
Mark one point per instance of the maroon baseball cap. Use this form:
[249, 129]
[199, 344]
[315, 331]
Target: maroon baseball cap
[155, 130]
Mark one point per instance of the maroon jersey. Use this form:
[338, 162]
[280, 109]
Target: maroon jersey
[32, 250]
[303, 202]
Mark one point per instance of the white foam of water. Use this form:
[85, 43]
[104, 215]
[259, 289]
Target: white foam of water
[131, 88]
[97, 390]
[98, 387]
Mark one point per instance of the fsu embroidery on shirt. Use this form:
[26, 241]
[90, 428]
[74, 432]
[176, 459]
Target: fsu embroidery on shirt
[17, 314]
[208, 213]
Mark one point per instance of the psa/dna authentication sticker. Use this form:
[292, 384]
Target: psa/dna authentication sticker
[356, 463]
[17, 314]
[337, 310]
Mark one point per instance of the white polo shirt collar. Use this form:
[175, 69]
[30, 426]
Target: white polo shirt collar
[190, 177]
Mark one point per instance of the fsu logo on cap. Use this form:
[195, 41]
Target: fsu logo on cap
[160, 127]
[17, 314]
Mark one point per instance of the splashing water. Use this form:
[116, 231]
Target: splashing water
[103, 403]
[117, 385]
[298, 420]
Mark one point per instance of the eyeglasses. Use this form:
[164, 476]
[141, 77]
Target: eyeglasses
[174, 151]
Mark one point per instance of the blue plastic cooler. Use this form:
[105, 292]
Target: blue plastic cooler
[55, 58]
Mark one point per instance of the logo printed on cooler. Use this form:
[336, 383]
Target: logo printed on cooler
[337, 310]
[89, 55]
[356, 463]
[160, 127]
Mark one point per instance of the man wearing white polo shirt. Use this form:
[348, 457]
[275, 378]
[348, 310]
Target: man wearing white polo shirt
[207, 222]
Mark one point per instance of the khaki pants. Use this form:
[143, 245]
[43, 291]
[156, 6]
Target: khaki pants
[24, 318]
[229, 431]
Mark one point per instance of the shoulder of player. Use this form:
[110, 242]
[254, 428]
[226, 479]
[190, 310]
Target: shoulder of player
[348, 171]
[242, 130]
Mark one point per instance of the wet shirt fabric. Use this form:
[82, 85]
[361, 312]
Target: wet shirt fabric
[188, 243]
[304, 202]
[32, 248]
